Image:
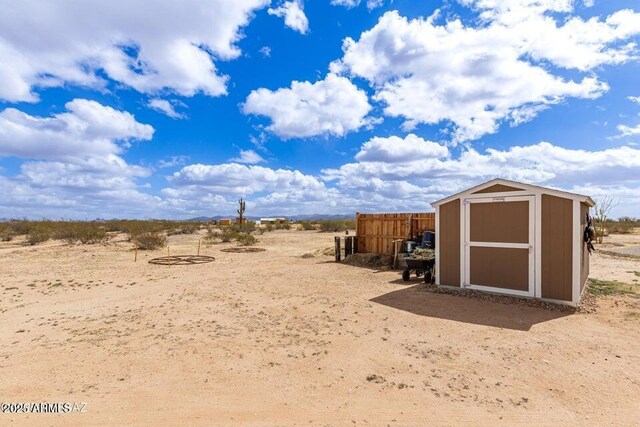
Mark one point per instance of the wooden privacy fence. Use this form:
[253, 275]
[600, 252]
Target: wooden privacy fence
[376, 232]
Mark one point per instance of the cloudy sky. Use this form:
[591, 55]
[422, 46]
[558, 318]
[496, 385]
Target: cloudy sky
[175, 109]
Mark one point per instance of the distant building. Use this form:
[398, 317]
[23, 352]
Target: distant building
[225, 222]
[273, 221]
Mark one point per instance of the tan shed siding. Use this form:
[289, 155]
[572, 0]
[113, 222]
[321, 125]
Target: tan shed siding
[504, 222]
[584, 261]
[450, 243]
[497, 188]
[504, 268]
[557, 248]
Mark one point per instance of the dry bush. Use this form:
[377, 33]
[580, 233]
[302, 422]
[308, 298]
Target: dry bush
[83, 232]
[335, 225]
[268, 227]
[7, 234]
[149, 240]
[246, 239]
[624, 225]
[213, 234]
[228, 235]
[282, 226]
[186, 228]
[138, 228]
[308, 225]
[245, 227]
[39, 233]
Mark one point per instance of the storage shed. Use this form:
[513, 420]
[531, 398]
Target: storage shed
[513, 238]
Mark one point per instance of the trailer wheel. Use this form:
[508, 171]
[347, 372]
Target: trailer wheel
[406, 275]
[427, 276]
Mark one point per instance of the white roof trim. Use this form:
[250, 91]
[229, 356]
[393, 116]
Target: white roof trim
[525, 187]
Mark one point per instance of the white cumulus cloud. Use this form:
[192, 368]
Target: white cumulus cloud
[397, 150]
[74, 167]
[477, 77]
[293, 14]
[333, 106]
[371, 4]
[165, 107]
[87, 128]
[248, 157]
[148, 45]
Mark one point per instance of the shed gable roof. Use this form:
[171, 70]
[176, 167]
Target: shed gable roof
[505, 185]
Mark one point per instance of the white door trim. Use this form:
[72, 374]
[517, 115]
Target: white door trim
[530, 246]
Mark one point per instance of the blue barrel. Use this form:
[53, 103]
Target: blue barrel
[429, 240]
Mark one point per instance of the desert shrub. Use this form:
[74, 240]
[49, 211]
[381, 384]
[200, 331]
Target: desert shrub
[186, 228]
[90, 233]
[7, 234]
[334, 225]
[83, 232]
[39, 233]
[213, 234]
[149, 240]
[137, 228]
[21, 227]
[228, 235]
[268, 227]
[624, 225]
[282, 225]
[246, 239]
[308, 225]
[245, 227]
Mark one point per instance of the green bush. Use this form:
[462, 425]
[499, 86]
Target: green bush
[246, 239]
[149, 240]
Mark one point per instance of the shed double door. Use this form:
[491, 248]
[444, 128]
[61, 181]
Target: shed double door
[499, 250]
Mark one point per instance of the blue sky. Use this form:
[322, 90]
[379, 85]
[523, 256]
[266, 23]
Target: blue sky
[327, 106]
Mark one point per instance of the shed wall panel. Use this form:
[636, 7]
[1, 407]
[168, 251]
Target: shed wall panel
[505, 222]
[505, 268]
[450, 243]
[557, 248]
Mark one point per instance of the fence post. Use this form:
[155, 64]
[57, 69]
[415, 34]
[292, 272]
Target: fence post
[347, 246]
[355, 244]
[337, 248]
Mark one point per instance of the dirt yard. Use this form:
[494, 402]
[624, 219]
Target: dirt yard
[277, 339]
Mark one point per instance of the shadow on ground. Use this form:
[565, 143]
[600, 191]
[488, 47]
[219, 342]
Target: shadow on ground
[466, 310]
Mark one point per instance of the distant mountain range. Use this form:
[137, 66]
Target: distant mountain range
[312, 217]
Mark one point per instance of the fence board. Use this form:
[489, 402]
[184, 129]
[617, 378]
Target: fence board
[376, 232]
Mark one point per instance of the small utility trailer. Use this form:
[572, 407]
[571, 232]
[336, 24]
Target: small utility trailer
[420, 267]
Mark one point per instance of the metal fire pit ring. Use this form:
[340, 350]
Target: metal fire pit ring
[182, 260]
[242, 250]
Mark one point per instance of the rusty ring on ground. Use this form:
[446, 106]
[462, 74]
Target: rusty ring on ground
[243, 250]
[182, 260]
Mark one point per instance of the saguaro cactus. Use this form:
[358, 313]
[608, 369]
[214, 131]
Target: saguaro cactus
[241, 209]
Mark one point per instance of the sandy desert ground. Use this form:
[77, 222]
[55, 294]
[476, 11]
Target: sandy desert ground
[276, 339]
